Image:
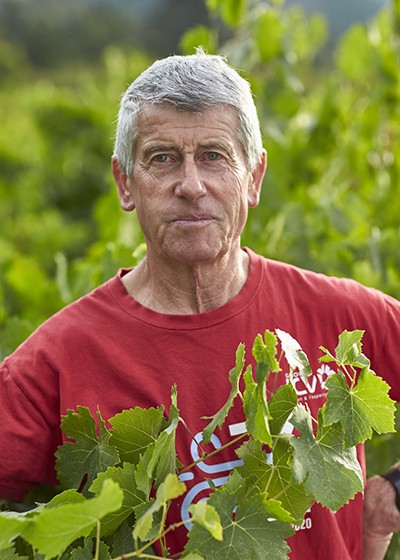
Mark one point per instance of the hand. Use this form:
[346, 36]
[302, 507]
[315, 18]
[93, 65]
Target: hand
[381, 518]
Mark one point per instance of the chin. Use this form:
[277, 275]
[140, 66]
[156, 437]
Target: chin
[192, 254]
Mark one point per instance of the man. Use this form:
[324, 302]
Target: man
[189, 159]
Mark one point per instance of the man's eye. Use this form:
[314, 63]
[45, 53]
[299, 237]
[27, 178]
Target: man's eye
[161, 158]
[213, 156]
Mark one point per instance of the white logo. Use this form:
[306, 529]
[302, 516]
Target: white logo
[313, 386]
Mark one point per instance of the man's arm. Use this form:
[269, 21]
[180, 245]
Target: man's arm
[381, 517]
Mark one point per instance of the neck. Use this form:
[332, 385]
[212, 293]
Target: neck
[187, 289]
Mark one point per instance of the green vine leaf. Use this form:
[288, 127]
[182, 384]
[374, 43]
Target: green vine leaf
[248, 531]
[86, 552]
[348, 351]
[11, 526]
[206, 515]
[54, 529]
[296, 357]
[168, 490]
[11, 554]
[234, 377]
[122, 542]
[265, 349]
[329, 472]
[361, 409]
[292, 496]
[274, 479]
[67, 497]
[144, 475]
[159, 459]
[134, 429]
[83, 553]
[89, 454]
[163, 460]
[256, 408]
[281, 406]
[125, 477]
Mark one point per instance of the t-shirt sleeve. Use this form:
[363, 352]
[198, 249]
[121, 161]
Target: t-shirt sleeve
[388, 364]
[29, 435]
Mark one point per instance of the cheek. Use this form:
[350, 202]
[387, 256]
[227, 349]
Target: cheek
[236, 191]
[236, 208]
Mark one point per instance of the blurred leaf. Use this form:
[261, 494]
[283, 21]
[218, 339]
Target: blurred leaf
[355, 56]
[270, 34]
[14, 332]
[199, 36]
[231, 11]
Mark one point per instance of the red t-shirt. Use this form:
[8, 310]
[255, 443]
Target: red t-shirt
[109, 352]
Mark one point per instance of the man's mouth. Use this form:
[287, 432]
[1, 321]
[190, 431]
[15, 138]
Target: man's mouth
[193, 219]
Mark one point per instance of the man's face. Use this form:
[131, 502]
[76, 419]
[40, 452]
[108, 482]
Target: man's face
[189, 184]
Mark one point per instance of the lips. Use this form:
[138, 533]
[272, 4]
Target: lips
[193, 218]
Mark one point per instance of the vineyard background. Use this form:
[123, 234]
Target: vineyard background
[330, 115]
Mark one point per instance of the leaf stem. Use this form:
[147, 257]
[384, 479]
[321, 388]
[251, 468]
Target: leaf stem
[352, 378]
[97, 551]
[212, 453]
[140, 553]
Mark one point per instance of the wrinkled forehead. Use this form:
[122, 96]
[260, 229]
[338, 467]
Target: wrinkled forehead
[159, 120]
[171, 127]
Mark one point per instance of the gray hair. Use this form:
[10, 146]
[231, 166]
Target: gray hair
[190, 83]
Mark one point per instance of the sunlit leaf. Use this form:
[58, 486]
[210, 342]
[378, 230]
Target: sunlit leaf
[205, 515]
[296, 357]
[52, 530]
[361, 409]
[125, 477]
[348, 351]
[133, 430]
[168, 490]
[11, 526]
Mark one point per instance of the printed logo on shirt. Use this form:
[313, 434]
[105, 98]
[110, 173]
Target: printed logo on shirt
[218, 473]
[312, 387]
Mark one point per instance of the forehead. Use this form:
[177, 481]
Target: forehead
[157, 124]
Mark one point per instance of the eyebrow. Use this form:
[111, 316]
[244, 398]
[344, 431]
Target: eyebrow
[148, 152]
[209, 146]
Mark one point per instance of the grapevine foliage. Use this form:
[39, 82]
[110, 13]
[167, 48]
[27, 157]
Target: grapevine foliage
[118, 483]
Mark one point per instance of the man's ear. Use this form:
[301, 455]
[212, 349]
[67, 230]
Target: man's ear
[121, 180]
[257, 176]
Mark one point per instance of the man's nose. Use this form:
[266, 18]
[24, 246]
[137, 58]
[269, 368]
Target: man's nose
[190, 184]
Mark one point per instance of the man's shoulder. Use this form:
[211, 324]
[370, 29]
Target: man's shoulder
[98, 297]
[306, 284]
[76, 318]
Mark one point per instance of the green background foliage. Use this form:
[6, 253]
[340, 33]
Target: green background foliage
[331, 125]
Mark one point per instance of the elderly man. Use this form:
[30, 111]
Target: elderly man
[189, 160]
